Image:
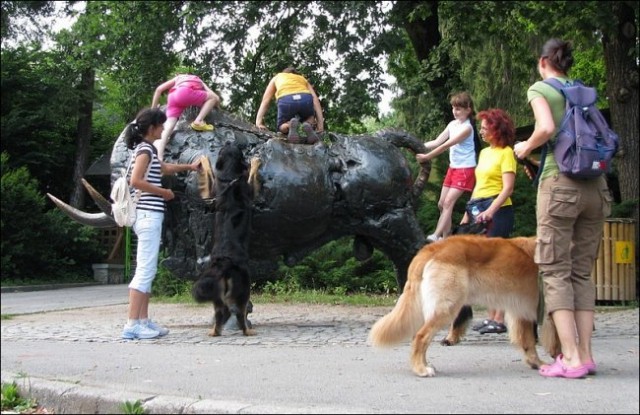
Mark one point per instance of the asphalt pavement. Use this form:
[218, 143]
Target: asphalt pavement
[63, 347]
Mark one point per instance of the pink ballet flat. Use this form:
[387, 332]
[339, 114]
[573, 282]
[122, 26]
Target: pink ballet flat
[558, 370]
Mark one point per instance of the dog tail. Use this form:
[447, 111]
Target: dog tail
[549, 337]
[402, 322]
[205, 288]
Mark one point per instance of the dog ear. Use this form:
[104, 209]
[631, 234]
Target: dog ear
[219, 163]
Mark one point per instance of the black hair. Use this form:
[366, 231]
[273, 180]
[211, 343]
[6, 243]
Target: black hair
[136, 130]
[291, 69]
[559, 53]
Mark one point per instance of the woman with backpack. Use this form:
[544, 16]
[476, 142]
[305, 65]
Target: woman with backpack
[147, 171]
[570, 216]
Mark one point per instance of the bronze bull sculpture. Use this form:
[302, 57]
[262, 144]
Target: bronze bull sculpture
[304, 195]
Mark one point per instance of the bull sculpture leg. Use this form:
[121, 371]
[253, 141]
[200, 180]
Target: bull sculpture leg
[399, 237]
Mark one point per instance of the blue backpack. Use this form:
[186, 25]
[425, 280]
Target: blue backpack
[584, 145]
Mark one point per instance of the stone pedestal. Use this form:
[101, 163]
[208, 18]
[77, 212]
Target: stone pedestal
[108, 273]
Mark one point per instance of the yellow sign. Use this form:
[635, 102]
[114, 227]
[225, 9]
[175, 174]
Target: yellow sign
[624, 252]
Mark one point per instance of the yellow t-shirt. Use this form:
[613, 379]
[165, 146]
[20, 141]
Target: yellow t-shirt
[290, 83]
[492, 163]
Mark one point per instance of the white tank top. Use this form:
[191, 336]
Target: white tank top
[463, 154]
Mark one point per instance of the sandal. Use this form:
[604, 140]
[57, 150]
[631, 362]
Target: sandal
[202, 127]
[591, 367]
[493, 327]
[312, 138]
[483, 322]
[293, 136]
[558, 370]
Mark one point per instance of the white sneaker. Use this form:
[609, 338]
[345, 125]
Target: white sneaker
[139, 332]
[433, 238]
[163, 331]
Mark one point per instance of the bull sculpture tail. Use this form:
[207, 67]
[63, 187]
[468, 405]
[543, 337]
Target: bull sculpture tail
[205, 179]
[254, 180]
[402, 139]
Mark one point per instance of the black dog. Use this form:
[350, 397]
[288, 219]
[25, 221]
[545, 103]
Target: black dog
[227, 281]
[477, 228]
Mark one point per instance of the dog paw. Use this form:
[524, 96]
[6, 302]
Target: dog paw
[425, 371]
[449, 342]
[249, 332]
[214, 333]
[535, 363]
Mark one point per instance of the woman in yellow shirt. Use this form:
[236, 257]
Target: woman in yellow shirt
[495, 179]
[297, 100]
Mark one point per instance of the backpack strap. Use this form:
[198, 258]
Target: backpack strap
[126, 176]
[543, 156]
[126, 173]
[558, 86]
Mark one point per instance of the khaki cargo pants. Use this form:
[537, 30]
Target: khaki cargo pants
[570, 215]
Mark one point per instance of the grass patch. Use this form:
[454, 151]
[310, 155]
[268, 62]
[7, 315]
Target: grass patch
[324, 297]
[610, 308]
[131, 407]
[337, 297]
[12, 401]
[301, 296]
[69, 279]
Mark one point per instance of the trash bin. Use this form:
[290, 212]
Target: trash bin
[614, 271]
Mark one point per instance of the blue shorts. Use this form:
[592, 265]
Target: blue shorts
[295, 104]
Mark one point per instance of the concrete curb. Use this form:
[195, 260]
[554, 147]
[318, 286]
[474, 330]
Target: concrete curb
[66, 398]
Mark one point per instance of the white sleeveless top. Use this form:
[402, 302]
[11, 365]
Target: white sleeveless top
[463, 154]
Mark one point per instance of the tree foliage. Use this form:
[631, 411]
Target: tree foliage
[16, 13]
[38, 244]
[54, 120]
[38, 115]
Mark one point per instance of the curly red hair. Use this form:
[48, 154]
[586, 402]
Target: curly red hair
[500, 130]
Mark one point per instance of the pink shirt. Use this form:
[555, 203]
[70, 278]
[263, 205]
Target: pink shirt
[189, 81]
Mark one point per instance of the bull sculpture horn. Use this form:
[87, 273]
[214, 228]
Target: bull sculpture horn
[102, 203]
[97, 220]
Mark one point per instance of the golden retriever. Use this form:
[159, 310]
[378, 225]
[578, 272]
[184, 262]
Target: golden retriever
[464, 269]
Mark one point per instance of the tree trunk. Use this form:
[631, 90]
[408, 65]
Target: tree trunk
[420, 20]
[423, 30]
[83, 140]
[622, 90]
